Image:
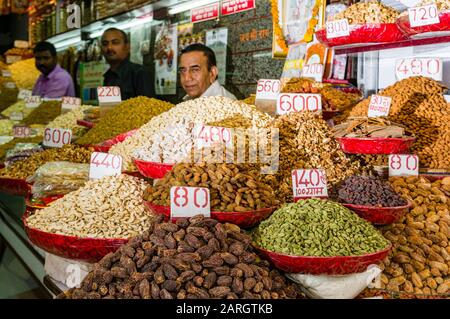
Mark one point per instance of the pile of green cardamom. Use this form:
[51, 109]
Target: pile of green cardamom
[319, 228]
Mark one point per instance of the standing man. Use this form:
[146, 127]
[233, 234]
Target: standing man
[198, 73]
[133, 79]
[54, 82]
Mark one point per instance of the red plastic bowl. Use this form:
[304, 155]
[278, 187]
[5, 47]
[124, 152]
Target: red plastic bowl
[361, 34]
[106, 145]
[242, 219]
[438, 29]
[41, 202]
[338, 265]
[152, 169]
[72, 247]
[85, 123]
[13, 186]
[379, 215]
[375, 145]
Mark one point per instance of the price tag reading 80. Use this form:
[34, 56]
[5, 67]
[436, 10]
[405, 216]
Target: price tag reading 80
[307, 183]
[57, 137]
[207, 136]
[428, 67]
[104, 164]
[338, 28]
[403, 165]
[268, 89]
[189, 201]
[423, 15]
[296, 102]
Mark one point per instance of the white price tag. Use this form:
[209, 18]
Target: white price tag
[57, 137]
[23, 94]
[423, 15]
[268, 89]
[189, 201]
[69, 103]
[338, 28]
[10, 85]
[428, 67]
[379, 105]
[207, 136]
[6, 73]
[298, 102]
[403, 165]
[109, 95]
[16, 116]
[104, 164]
[314, 71]
[21, 131]
[307, 183]
[32, 102]
[13, 58]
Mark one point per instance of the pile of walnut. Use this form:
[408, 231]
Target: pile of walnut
[194, 258]
[420, 260]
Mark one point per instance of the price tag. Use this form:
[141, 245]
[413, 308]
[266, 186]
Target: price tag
[32, 102]
[109, 95]
[13, 58]
[268, 89]
[6, 73]
[428, 67]
[16, 116]
[403, 165]
[338, 28]
[10, 85]
[314, 71]
[307, 183]
[423, 15]
[207, 136]
[23, 94]
[57, 137]
[104, 164]
[21, 131]
[189, 201]
[379, 105]
[69, 103]
[298, 102]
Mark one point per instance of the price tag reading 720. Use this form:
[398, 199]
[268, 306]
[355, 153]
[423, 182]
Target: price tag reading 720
[189, 201]
[403, 165]
[268, 89]
[423, 15]
[297, 102]
[104, 164]
[307, 183]
[57, 137]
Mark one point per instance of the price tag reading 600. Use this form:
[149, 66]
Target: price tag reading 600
[189, 201]
[57, 137]
[403, 165]
[307, 183]
[296, 102]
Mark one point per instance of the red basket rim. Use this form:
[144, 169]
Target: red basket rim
[409, 205]
[359, 25]
[143, 162]
[377, 139]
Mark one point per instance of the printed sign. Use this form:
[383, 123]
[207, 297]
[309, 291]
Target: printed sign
[189, 201]
[205, 13]
[298, 102]
[235, 6]
[403, 165]
[57, 137]
[104, 164]
[379, 105]
[307, 183]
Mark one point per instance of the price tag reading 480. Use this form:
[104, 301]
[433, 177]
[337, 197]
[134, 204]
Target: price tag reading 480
[429, 67]
[189, 201]
[403, 165]
[268, 89]
[296, 102]
[104, 164]
[57, 137]
[307, 183]
[206, 136]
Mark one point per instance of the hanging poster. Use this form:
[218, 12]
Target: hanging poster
[186, 36]
[166, 47]
[217, 40]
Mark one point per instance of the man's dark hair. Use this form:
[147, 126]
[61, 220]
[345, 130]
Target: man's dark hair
[124, 34]
[207, 51]
[45, 46]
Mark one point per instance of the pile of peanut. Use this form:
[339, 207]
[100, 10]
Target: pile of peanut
[420, 259]
[368, 12]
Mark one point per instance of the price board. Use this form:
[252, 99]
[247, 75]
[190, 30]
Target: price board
[428, 67]
[403, 165]
[57, 137]
[189, 201]
[308, 183]
[423, 15]
[338, 28]
[69, 103]
[32, 102]
[21, 131]
[104, 164]
[109, 95]
[379, 105]
[207, 136]
[268, 89]
[298, 102]
[314, 71]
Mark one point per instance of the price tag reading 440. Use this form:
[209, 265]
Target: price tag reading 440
[189, 201]
[297, 102]
[428, 67]
[424, 15]
[32, 102]
[268, 89]
[57, 137]
[379, 105]
[206, 136]
[307, 183]
[314, 71]
[104, 164]
[338, 28]
[69, 103]
[109, 94]
[403, 165]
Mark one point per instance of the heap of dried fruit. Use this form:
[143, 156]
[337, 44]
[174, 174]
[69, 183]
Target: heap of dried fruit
[11, 144]
[24, 73]
[196, 258]
[44, 113]
[368, 12]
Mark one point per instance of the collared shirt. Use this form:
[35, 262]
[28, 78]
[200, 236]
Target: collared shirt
[214, 89]
[133, 80]
[56, 84]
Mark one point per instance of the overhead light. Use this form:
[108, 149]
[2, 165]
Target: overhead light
[123, 26]
[67, 42]
[189, 5]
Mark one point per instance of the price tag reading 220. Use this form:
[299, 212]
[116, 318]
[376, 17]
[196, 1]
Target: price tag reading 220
[308, 183]
[403, 165]
[109, 94]
[298, 102]
[189, 201]
[104, 164]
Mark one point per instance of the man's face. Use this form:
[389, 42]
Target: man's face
[45, 62]
[194, 74]
[114, 48]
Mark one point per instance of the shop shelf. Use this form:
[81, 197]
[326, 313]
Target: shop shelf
[375, 145]
[17, 187]
[379, 215]
[152, 169]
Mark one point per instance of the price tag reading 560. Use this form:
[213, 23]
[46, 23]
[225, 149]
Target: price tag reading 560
[57, 137]
[308, 183]
[104, 164]
[268, 89]
[403, 165]
[296, 102]
[189, 201]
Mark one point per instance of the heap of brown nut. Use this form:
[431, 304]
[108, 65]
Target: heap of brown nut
[368, 12]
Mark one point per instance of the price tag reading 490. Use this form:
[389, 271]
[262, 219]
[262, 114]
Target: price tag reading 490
[338, 28]
[57, 137]
[297, 102]
[307, 183]
[423, 15]
[403, 165]
[189, 201]
[109, 94]
[268, 89]
[104, 164]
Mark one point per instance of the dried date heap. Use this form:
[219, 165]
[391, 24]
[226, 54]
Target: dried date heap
[196, 258]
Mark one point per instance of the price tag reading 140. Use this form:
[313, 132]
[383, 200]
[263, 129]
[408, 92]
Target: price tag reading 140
[268, 89]
[338, 28]
[307, 183]
[403, 165]
[104, 164]
[423, 15]
[297, 102]
[189, 201]
[57, 137]
[428, 67]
